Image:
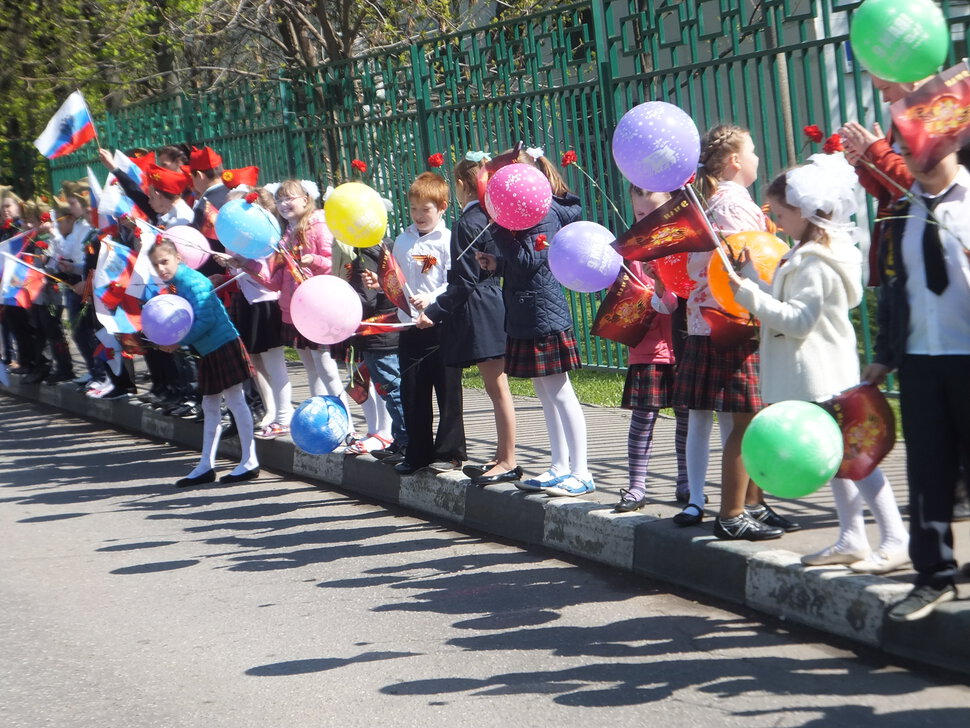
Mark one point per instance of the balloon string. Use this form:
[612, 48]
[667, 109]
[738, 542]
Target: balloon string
[475, 239]
[616, 210]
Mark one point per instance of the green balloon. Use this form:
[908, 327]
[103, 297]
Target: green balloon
[792, 448]
[900, 40]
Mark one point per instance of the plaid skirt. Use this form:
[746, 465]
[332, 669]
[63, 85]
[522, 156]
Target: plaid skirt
[259, 324]
[648, 386]
[552, 354]
[225, 367]
[723, 380]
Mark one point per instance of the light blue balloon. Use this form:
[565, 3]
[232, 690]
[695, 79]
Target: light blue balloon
[247, 229]
[320, 424]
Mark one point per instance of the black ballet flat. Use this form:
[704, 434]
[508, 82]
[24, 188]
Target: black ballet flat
[241, 478]
[208, 476]
[508, 476]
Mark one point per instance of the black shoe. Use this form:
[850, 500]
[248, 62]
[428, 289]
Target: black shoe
[406, 468]
[445, 466]
[683, 496]
[118, 394]
[769, 517]
[388, 452]
[38, 375]
[921, 601]
[508, 476]
[629, 504]
[241, 478]
[58, 377]
[686, 518]
[208, 476]
[745, 528]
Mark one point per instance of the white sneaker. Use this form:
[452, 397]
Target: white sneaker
[834, 555]
[882, 562]
[572, 486]
[103, 390]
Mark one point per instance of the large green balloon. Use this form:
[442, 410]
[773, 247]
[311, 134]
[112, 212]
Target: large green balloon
[792, 448]
[900, 40]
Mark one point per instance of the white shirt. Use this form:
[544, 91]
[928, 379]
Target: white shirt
[421, 277]
[72, 245]
[180, 214]
[940, 325]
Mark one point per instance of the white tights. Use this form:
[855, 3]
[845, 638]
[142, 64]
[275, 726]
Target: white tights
[212, 430]
[875, 490]
[376, 414]
[565, 424]
[699, 425]
[322, 373]
[274, 386]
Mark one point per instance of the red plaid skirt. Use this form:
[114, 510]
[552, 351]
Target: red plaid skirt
[723, 380]
[552, 354]
[648, 386]
[225, 367]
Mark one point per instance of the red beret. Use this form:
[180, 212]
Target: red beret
[248, 176]
[165, 180]
[204, 159]
[145, 161]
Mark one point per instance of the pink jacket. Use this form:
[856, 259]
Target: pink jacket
[319, 244]
[656, 347]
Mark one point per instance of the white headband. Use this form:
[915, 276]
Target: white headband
[308, 186]
[535, 152]
[827, 183]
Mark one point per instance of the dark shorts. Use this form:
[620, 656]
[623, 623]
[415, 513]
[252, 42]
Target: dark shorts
[552, 354]
[225, 367]
[723, 380]
[648, 386]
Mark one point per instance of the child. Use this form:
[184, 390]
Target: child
[924, 332]
[650, 375]
[255, 311]
[423, 253]
[724, 380]
[309, 241]
[472, 318]
[808, 345]
[223, 368]
[541, 344]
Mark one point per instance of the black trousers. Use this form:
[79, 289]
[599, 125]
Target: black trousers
[424, 376]
[46, 319]
[30, 343]
[934, 396]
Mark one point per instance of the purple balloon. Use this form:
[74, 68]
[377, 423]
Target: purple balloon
[166, 319]
[656, 146]
[581, 258]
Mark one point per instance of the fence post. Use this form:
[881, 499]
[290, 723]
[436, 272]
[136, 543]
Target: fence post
[289, 119]
[422, 98]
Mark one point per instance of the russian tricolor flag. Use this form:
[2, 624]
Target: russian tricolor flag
[70, 128]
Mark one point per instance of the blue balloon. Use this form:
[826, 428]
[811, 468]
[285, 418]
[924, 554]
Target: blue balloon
[247, 229]
[320, 424]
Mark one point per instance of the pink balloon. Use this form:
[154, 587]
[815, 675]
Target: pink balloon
[518, 196]
[325, 309]
[192, 246]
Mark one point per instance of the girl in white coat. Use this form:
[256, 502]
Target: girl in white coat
[808, 345]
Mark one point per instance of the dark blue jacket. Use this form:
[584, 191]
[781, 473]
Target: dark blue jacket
[211, 327]
[535, 304]
[470, 311]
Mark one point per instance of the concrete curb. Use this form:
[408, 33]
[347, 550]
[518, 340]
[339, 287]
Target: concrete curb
[763, 578]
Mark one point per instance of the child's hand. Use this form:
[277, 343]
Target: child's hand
[169, 348]
[64, 265]
[650, 272]
[857, 139]
[421, 300]
[306, 259]
[78, 288]
[875, 373]
[107, 158]
[423, 322]
[370, 280]
[486, 260]
[221, 258]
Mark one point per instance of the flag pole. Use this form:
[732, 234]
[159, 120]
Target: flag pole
[34, 268]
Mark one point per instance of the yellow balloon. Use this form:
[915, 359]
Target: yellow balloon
[356, 215]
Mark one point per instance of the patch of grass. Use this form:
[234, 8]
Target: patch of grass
[593, 386]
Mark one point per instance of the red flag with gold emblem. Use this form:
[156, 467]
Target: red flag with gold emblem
[625, 314]
[934, 120]
[392, 279]
[677, 226]
[868, 428]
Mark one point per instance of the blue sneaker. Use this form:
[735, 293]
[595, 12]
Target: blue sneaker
[542, 483]
[571, 485]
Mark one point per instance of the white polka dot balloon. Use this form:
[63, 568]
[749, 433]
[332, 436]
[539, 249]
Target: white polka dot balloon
[518, 196]
[656, 146]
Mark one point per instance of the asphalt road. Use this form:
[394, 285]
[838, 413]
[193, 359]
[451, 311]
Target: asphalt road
[124, 602]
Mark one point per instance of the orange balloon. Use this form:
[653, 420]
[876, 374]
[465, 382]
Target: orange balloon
[766, 250]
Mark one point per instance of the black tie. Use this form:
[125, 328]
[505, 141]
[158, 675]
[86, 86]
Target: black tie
[936, 278]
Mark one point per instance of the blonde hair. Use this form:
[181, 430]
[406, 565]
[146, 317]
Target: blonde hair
[293, 188]
[717, 146]
[558, 184]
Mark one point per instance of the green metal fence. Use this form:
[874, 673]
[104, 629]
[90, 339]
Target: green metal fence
[558, 79]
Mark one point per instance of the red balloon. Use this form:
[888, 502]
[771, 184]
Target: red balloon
[672, 272]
